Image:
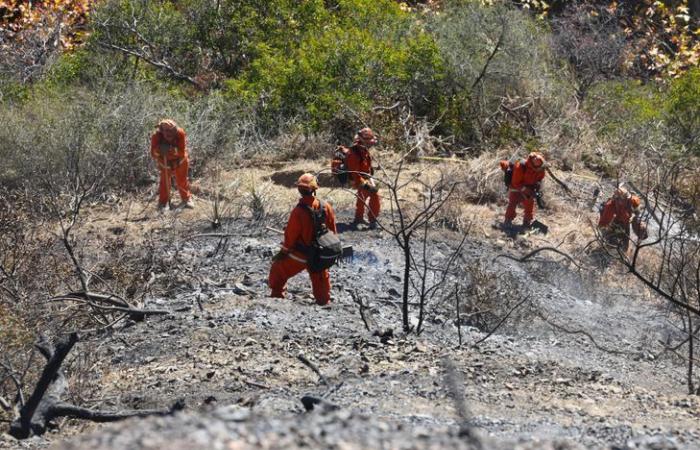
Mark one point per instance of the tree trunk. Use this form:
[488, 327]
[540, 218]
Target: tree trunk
[406, 275]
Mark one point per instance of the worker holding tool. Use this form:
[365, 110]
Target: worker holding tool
[359, 166]
[524, 181]
[168, 149]
[617, 215]
[311, 221]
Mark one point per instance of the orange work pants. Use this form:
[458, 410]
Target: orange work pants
[183, 184]
[514, 199]
[374, 204]
[284, 269]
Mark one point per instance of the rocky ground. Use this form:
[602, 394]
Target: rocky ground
[578, 365]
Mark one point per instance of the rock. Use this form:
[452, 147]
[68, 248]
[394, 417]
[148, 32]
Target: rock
[420, 347]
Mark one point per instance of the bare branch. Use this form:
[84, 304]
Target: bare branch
[500, 322]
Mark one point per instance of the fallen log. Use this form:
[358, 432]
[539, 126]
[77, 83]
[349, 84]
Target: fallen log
[45, 405]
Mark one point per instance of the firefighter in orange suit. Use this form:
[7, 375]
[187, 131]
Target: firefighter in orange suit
[359, 165]
[299, 234]
[525, 183]
[618, 215]
[169, 150]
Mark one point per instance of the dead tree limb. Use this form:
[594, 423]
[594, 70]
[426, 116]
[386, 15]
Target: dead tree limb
[500, 322]
[566, 330]
[26, 423]
[363, 309]
[45, 405]
[313, 367]
[158, 64]
[495, 50]
[459, 318]
[134, 313]
[535, 252]
[76, 412]
[110, 299]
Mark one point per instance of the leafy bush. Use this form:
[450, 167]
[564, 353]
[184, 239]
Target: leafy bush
[500, 76]
[345, 67]
[634, 117]
[683, 115]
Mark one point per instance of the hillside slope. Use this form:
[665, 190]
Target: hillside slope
[575, 366]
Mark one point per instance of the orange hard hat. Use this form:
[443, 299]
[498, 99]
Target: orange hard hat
[307, 181]
[366, 137]
[167, 124]
[536, 160]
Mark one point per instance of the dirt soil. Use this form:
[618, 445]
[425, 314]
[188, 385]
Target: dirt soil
[232, 353]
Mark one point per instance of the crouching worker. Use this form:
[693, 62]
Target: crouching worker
[359, 165]
[524, 181]
[617, 215]
[310, 242]
[168, 149]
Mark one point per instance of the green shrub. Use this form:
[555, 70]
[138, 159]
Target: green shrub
[635, 117]
[683, 110]
[499, 70]
[346, 66]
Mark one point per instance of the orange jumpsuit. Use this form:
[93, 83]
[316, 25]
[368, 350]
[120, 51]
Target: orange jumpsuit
[526, 180]
[359, 160]
[177, 162]
[300, 230]
[618, 213]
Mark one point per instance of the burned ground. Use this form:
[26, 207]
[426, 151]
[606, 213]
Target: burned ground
[578, 365]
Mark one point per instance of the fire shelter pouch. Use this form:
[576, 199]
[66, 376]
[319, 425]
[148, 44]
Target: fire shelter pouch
[326, 248]
[327, 251]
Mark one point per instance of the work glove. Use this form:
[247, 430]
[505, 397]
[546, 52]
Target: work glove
[369, 187]
[539, 200]
[279, 256]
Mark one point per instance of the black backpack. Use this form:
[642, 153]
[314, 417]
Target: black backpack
[326, 248]
[508, 173]
[338, 166]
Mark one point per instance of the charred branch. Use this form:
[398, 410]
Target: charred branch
[45, 405]
[502, 321]
[313, 367]
[585, 333]
[135, 314]
[27, 423]
[76, 412]
[524, 258]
